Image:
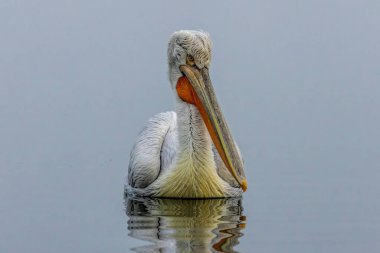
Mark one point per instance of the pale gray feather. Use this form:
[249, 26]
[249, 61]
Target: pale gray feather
[145, 162]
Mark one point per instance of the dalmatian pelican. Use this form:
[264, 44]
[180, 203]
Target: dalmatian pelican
[189, 152]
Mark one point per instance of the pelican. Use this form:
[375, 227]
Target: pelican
[189, 152]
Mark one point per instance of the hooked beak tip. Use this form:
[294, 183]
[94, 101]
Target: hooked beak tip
[244, 185]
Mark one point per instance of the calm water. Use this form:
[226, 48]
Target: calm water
[208, 225]
[298, 82]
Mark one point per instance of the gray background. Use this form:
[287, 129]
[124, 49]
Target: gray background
[299, 82]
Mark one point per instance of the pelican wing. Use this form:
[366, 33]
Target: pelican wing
[149, 155]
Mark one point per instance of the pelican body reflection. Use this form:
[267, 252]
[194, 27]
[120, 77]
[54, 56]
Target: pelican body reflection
[185, 225]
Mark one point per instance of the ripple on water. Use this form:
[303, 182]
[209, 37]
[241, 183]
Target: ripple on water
[185, 225]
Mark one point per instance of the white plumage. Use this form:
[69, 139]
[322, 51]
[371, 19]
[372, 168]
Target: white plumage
[174, 155]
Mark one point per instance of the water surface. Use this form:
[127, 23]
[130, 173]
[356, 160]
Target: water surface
[172, 225]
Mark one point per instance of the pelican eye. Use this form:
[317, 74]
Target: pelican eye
[190, 60]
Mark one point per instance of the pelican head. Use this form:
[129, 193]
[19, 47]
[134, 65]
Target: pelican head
[189, 57]
[188, 47]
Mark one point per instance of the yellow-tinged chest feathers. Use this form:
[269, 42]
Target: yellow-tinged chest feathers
[188, 180]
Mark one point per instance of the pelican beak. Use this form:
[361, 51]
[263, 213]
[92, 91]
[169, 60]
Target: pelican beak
[196, 88]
